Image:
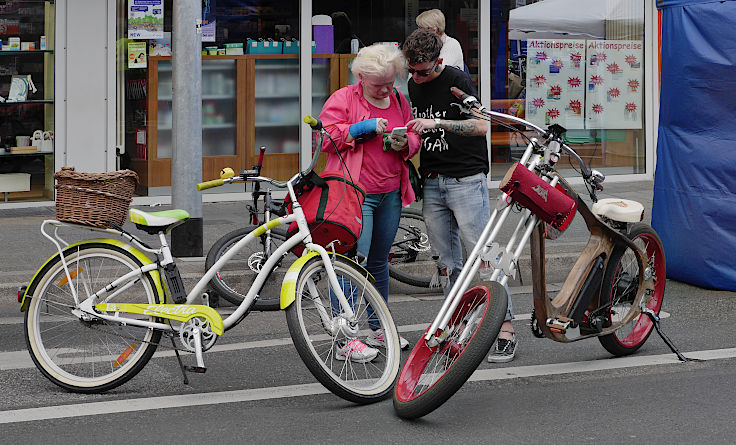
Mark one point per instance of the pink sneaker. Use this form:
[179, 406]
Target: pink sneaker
[376, 338]
[356, 351]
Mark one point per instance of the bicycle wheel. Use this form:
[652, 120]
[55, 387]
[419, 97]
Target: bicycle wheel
[311, 319]
[431, 375]
[619, 288]
[410, 259]
[94, 355]
[234, 280]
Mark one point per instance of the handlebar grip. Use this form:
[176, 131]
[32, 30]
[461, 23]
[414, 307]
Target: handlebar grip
[210, 184]
[460, 94]
[313, 122]
[260, 156]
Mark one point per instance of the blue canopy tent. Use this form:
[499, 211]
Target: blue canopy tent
[695, 181]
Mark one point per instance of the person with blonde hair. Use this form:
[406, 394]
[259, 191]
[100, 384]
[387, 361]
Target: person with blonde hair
[451, 52]
[360, 118]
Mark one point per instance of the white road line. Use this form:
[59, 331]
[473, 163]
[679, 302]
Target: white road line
[278, 392]
[22, 360]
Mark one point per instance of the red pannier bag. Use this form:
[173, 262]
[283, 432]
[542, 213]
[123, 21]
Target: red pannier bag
[332, 205]
[550, 204]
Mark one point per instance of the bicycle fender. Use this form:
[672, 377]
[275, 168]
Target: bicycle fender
[113, 242]
[288, 288]
[176, 312]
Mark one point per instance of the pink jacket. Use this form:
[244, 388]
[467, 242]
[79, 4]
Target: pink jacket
[347, 106]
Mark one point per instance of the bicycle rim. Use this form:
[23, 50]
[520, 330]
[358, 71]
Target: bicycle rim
[88, 356]
[410, 259]
[311, 319]
[623, 289]
[235, 279]
[431, 375]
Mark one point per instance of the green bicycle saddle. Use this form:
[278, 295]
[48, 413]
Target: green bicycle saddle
[153, 222]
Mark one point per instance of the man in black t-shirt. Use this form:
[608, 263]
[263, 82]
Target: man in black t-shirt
[454, 164]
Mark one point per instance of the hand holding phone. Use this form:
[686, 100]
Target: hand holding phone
[398, 131]
[397, 140]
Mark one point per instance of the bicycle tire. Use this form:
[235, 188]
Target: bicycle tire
[76, 354]
[473, 328]
[617, 294]
[234, 280]
[360, 383]
[410, 259]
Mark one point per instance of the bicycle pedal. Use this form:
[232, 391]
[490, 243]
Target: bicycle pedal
[196, 369]
[558, 325]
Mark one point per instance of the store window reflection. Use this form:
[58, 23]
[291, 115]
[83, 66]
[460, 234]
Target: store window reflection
[26, 100]
[576, 63]
[250, 92]
[358, 24]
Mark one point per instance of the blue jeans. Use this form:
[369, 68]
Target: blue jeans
[455, 209]
[381, 215]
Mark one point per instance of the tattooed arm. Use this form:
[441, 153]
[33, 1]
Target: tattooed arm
[465, 127]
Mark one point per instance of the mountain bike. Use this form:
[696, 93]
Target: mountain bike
[410, 258]
[614, 292]
[96, 311]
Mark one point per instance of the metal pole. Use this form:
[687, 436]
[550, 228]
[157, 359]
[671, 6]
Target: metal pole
[305, 81]
[186, 163]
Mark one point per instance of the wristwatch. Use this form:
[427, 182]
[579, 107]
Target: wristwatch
[436, 122]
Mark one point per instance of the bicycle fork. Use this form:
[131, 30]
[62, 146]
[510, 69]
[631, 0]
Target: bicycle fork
[503, 260]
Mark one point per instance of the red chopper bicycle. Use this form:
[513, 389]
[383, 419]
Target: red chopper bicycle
[614, 291]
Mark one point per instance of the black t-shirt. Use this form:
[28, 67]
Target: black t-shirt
[444, 152]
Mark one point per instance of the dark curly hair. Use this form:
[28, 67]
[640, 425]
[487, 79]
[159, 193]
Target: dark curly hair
[422, 46]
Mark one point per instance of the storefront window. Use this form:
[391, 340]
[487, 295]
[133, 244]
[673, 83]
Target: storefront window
[582, 69]
[26, 100]
[250, 89]
[358, 24]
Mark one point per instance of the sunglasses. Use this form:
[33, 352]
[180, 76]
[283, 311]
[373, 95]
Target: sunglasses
[423, 73]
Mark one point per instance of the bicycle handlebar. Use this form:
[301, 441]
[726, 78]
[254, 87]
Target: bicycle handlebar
[254, 175]
[476, 107]
[260, 158]
[313, 122]
[210, 184]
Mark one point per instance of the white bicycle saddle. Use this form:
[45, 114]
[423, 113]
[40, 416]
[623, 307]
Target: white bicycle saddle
[622, 210]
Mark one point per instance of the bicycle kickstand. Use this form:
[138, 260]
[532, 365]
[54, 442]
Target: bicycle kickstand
[655, 320]
[181, 364]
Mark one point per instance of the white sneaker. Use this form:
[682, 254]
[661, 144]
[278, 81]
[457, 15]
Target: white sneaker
[356, 351]
[376, 338]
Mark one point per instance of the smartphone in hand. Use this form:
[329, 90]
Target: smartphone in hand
[398, 131]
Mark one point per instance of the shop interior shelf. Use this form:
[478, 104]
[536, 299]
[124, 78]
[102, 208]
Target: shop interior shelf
[204, 127]
[275, 124]
[16, 53]
[315, 95]
[284, 66]
[28, 102]
[208, 97]
[218, 65]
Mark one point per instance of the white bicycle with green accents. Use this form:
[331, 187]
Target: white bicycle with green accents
[97, 310]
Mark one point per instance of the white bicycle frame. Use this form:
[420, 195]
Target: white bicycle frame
[86, 308]
[502, 259]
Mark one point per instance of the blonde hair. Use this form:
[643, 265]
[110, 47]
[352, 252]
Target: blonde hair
[433, 19]
[377, 60]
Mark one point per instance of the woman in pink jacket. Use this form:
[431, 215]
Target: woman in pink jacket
[360, 118]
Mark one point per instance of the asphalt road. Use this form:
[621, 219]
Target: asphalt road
[257, 390]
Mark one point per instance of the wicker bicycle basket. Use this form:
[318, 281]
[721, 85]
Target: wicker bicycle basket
[94, 199]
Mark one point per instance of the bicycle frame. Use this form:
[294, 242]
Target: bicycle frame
[120, 284]
[552, 316]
